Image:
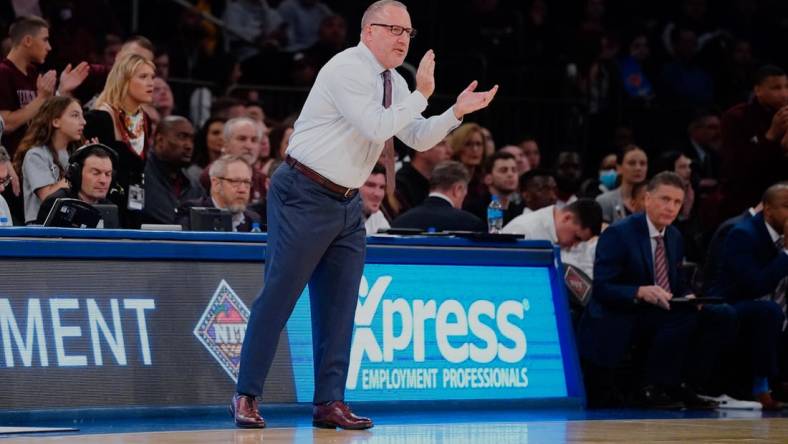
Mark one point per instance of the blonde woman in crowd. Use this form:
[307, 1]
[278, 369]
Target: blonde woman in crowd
[119, 121]
[468, 147]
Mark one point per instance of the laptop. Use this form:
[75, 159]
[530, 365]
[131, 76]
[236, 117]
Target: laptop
[210, 219]
[109, 215]
[72, 213]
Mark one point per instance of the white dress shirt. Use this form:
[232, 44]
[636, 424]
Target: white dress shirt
[536, 225]
[343, 126]
[540, 225]
[375, 222]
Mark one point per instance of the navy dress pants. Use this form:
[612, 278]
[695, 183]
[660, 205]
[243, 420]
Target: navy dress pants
[760, 324]
[315, 237]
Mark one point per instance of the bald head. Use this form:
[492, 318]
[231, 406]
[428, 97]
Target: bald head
[174, 141]
[167, 124]
[773, 193]
[775, 207]
[375, 10]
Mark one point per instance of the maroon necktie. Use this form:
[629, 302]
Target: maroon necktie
[388, 148]
[661, 264]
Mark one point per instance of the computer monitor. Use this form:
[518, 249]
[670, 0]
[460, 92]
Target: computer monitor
[72, 213]
[210, 219]
[109, 214]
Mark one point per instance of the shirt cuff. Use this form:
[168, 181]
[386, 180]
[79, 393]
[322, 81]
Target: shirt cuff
[450, 120]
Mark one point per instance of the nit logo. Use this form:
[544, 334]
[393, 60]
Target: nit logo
[222, 326]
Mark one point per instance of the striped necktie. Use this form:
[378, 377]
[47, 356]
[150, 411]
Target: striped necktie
[661, 264]
[388, 148]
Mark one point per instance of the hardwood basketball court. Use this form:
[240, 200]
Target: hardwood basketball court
[754, 430]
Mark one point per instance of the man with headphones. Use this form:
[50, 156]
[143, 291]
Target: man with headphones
[90, 176]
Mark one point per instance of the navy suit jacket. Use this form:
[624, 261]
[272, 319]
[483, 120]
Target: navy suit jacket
[437, 213]
[712, 270]
[752, 265]
[623, 263]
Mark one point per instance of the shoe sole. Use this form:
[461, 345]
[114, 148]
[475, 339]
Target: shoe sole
[330, 425]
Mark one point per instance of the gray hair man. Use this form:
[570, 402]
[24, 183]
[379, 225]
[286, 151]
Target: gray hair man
[441, 211]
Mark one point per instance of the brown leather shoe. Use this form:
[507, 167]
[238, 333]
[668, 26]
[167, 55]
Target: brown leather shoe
[337, 414]
[768, 403]
[245, 413]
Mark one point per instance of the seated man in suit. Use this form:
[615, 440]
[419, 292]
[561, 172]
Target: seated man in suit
[753, 279]
[635, 277]
[89, 176]
[712, 268]
[231, 182]
[441, 210]
[413, 179]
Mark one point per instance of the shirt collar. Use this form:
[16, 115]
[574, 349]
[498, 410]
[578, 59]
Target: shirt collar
[652, 230]
[442, 196]
[773, 234]
[367, 53]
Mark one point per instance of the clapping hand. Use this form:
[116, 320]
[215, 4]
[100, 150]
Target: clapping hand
[70, 79]
[425, 75]
[45, 84]
[471, 100]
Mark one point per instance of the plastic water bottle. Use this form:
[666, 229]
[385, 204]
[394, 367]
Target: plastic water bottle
[256, 227]
[495, 216]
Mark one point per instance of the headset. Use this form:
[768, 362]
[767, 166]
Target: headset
[77, 161]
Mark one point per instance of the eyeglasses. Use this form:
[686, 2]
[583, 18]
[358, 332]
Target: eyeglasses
[397, 30]
[237, 183]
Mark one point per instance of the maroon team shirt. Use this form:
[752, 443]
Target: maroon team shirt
[16, 91]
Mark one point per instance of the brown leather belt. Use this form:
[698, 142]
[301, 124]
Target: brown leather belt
[315, 176]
